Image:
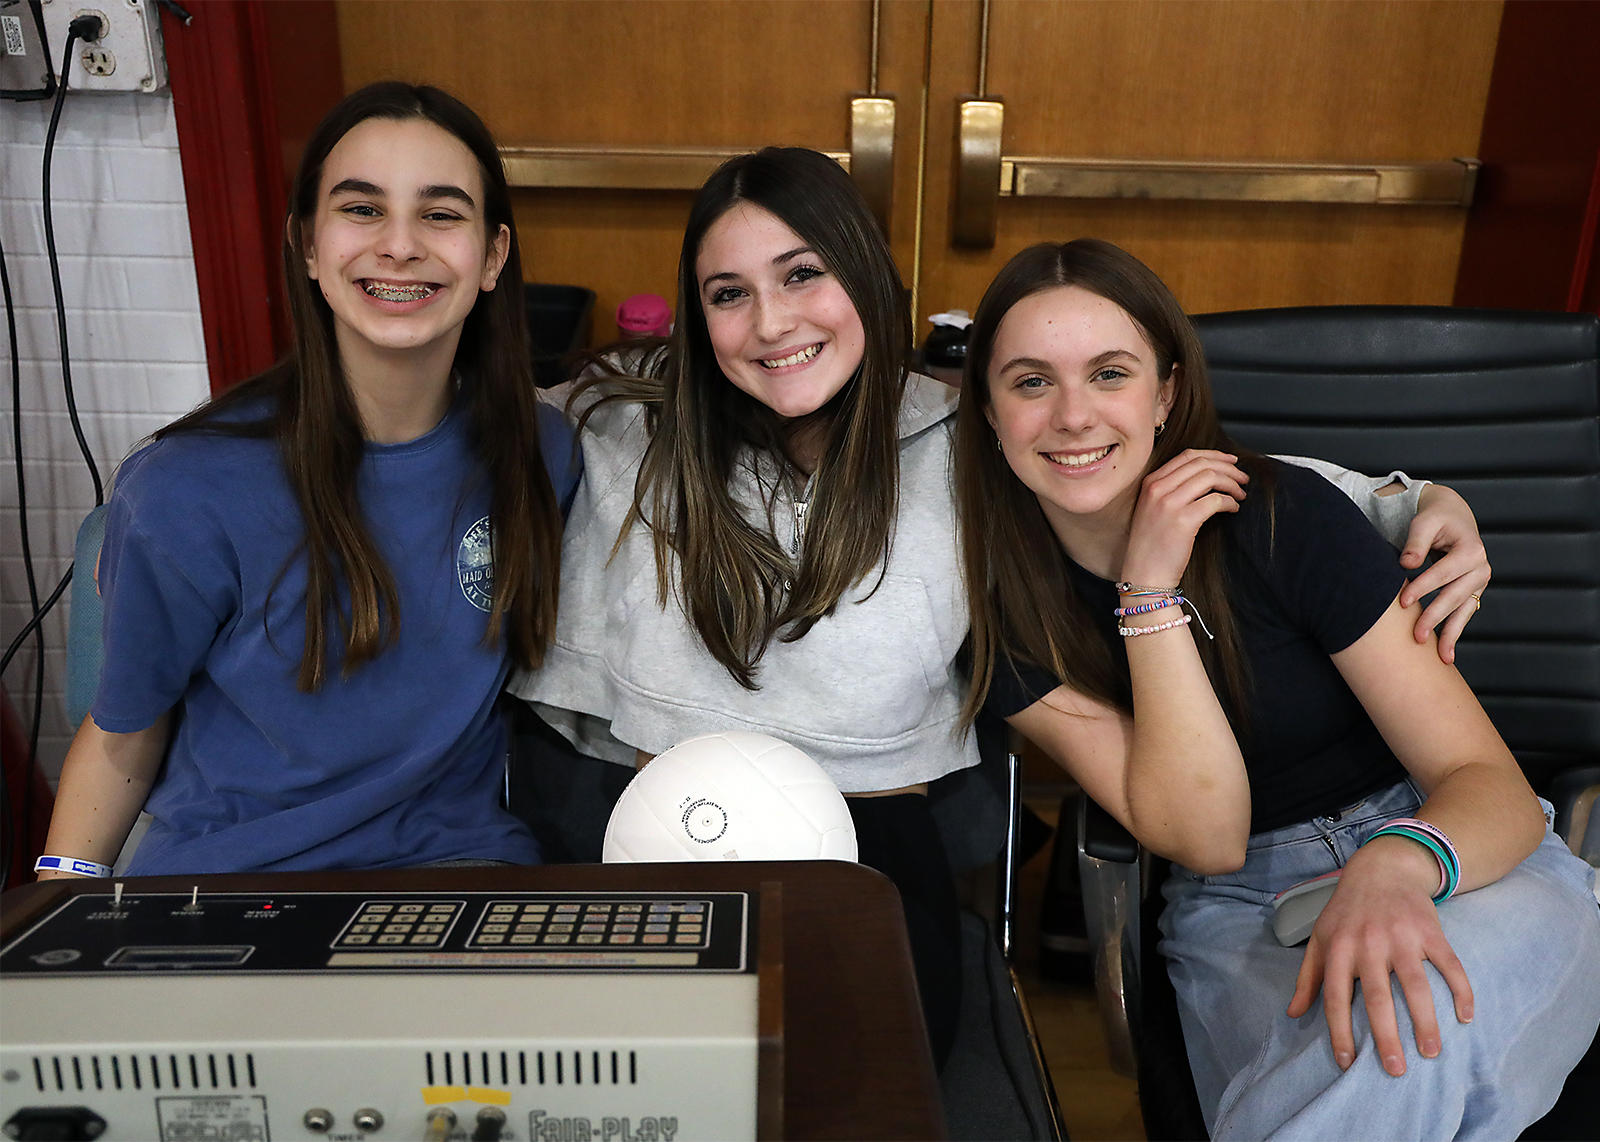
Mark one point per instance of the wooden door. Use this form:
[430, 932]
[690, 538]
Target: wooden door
[1282, 80]
[1261, 80]
[668, 73]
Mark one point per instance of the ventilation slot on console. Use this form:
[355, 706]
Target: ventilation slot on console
[62, 1073]
[532, 1068]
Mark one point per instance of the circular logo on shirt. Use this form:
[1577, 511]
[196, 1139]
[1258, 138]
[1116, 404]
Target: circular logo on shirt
[475, 565]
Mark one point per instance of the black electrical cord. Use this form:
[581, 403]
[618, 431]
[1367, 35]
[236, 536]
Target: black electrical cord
[18, 828]
[85, 28]
[19, 821]
[38, 617]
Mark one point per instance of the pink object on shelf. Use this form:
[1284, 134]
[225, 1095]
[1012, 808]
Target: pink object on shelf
[645, 315]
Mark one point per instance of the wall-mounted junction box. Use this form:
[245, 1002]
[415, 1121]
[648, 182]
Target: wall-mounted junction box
[128, 57]
[25, 72]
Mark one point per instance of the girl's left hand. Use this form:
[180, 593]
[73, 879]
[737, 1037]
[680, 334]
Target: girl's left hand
[1381, 921]
[1445, 523]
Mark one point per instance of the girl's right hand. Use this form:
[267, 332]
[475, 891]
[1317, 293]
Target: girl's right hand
[1380, 922]
[1175, 500]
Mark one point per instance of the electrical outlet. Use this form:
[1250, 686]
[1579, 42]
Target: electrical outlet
[128, 55]
[99, 61]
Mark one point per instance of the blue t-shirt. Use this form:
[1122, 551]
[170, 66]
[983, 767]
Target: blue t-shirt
[203, 578]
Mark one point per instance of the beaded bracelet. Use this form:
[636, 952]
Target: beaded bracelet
[1131, 632]
[1146, 608]
[71, 864]
[1432, 838]
[1164, 596]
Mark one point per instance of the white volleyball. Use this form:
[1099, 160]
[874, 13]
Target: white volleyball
[731, 796]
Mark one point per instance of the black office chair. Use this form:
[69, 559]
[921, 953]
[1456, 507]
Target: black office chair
[1503, 407]
[995, 1085]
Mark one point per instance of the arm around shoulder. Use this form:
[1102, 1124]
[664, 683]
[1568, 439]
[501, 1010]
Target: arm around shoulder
[1417, 517]
[1389, 502]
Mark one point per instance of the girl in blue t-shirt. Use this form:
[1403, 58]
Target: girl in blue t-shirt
[1094, 478]
[315, 584]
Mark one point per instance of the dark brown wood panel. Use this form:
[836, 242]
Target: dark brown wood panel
[1218, 256]
[1247, 79]
[665, 73]
[1287, 79]
[744, 73]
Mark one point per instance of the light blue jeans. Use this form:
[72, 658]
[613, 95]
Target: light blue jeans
[1530, 944]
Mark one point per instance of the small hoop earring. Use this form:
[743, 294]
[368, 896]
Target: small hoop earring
[1160, 428]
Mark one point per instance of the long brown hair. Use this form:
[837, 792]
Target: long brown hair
[312, 415]
[1023, 604]
[738, 586]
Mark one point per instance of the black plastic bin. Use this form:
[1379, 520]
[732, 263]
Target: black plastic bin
[560, 318]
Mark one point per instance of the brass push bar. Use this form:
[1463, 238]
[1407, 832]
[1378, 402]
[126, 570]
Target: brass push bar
[869, 162]
[984, 175]
[1388, 184]
[622, 168]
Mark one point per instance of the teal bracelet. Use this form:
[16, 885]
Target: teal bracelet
[1436, 843]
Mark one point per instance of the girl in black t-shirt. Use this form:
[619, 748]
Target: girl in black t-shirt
[1305, 722]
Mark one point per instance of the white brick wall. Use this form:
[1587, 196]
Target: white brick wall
[133, 326]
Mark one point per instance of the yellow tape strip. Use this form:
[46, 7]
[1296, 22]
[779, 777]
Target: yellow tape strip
[489, 1095]
[434, 1095]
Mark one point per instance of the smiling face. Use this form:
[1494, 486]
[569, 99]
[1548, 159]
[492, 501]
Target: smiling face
[781, 324]
[397, 244]
[1075, 400]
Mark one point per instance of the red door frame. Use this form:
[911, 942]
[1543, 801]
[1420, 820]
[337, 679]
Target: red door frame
[239, 134]
[1530, 237]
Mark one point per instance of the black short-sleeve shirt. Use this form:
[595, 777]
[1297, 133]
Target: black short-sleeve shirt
[1305, 581]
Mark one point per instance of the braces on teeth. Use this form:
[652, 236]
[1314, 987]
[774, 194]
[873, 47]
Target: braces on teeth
[398, 293]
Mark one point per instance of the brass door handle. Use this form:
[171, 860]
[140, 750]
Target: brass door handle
[984, 175]
[979, 126]
[871, 158]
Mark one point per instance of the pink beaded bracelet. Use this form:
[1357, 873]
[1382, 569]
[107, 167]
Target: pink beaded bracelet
[1131, 632]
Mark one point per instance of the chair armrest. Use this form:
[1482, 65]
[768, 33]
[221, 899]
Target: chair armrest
[1108, 868]
[1102, 836]
[1573, 793]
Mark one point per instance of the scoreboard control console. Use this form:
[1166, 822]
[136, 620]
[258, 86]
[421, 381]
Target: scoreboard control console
[242, 1017]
